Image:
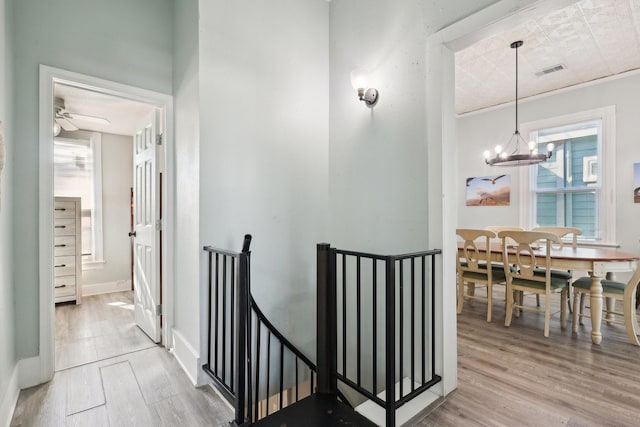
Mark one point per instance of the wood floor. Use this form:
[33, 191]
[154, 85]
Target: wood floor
[514, 376]
[99, 328]
[141, 386]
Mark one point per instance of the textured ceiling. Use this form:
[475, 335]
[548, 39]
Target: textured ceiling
[591, 38]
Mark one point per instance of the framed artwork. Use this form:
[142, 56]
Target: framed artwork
[636, 183]
[489, 190]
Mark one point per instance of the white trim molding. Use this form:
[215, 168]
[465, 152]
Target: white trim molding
[105, 288]
[606, 209]
[9, 393]
[49, 77]
[187, 356]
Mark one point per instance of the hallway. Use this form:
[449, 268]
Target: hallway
[108, 373]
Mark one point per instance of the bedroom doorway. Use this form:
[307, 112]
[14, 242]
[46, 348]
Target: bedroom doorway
[104, 290]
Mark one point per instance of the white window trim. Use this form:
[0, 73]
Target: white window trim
[98, 253]
[606, 215]
[95, 142]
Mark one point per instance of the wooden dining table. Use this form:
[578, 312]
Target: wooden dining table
[600, 262]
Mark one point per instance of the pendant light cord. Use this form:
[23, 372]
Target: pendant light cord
[517, 130]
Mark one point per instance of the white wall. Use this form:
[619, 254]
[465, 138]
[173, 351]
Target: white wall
[380, 170]
[264, 156]
[117, 180]
[8, 371]
[120, 40]
[478, 132]
[187, 147]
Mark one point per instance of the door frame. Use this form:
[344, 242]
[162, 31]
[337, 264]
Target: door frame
[442, 150]
[49, 76]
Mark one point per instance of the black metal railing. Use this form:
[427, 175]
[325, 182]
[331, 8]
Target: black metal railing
[253, 365]
[228, 284]
[372, 305]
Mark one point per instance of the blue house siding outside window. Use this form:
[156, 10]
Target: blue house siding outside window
[566, 186]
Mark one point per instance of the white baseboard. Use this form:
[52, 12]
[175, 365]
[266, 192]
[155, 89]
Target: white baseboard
[30, 372]
[186, 355]
[9, 397]
[105, 288]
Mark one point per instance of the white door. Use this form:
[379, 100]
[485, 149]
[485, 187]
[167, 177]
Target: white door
[146, 255]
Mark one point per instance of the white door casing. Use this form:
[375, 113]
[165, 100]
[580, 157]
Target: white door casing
[146, 217]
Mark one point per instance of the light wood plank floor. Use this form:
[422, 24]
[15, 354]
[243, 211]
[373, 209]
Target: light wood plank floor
[108, 373]
[514, 376]
[101, 327]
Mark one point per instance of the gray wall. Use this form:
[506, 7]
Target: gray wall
[479, 132]
[187, 148]
[121, 40]
[7, 349]
[264, 104]
[117, 180]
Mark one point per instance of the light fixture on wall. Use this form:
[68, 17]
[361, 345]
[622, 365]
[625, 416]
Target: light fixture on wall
[360, 82]
[511, 155]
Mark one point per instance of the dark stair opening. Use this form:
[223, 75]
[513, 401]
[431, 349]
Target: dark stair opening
[317, 410]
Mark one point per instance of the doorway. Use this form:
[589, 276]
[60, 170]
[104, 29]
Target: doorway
[93, 169]
[55, 82]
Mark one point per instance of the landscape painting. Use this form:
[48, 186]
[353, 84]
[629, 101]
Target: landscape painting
[636, 183]
[489, 190]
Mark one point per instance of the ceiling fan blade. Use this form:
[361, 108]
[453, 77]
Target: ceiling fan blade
[66, 124]
[93, 119]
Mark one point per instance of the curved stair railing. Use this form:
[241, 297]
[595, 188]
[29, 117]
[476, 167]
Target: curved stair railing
[276, 374]
[260, 372]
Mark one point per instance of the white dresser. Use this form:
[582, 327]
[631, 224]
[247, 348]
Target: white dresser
[67, 249]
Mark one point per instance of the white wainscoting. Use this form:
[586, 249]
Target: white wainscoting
[105, 288]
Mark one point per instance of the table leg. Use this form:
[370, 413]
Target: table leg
[610, 303]
[596, 308]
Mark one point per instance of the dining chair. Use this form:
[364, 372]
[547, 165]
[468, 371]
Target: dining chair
[526, 277]
[472, 267]
[562, 233]
[615, 290]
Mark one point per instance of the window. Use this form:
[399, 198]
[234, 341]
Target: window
[575, 187]
[78, 173]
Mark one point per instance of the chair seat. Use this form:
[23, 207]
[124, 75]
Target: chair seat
[556, 283]
[566, 275]
[496, 275]
[608, 286]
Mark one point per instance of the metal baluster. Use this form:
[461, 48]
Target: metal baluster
[258, 359]
[281, 371]
[232, 320]
[401, 328]
[268, 367]
[344, 315]
[413, 321]
[375, 333]
[424, 350]
[224, 318]
[215, 354]
[358, 311]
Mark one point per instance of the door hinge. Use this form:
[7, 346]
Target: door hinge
[159, 139]
[158, 224]
[159, 310]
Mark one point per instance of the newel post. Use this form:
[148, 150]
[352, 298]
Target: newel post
[242, 362]
[326, 321]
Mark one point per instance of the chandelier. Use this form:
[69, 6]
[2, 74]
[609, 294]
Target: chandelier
[510, 155]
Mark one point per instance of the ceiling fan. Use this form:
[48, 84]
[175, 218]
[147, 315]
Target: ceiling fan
[63, 118]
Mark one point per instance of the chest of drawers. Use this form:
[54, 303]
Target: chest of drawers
[67, 249]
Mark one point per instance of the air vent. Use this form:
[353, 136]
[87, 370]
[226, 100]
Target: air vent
[550, 70]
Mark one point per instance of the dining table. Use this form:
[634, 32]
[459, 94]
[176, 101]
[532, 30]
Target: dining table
[599, 262]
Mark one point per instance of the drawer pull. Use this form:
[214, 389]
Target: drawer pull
[61, 265]
[61, 286]
[61, 209]
[60, 226]
[61, 246]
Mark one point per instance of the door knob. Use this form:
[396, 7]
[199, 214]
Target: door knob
[132, 234]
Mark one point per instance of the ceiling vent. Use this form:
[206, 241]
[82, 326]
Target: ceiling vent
[550, 70]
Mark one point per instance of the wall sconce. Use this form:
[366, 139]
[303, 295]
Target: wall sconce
[360, 82]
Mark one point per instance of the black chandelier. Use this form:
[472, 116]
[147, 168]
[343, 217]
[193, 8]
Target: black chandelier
[508, 157]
